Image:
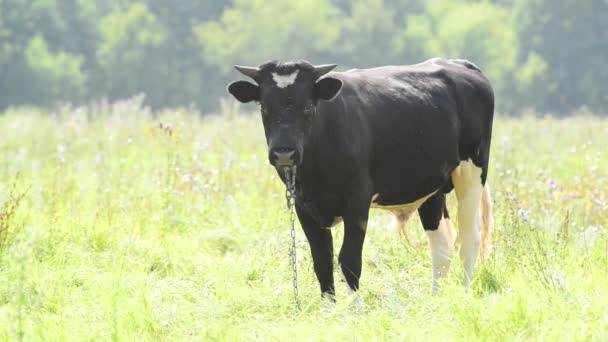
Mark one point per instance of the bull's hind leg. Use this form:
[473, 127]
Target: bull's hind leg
[468, 185]
[440, 232]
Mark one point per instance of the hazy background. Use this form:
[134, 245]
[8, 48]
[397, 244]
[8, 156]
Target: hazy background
[546, 55]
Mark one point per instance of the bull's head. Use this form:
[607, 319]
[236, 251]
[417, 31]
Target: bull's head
[288, 94]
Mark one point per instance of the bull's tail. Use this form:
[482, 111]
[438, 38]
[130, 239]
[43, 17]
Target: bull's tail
[485, 210]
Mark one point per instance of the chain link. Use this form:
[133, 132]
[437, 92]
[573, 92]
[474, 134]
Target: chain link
[290, 196]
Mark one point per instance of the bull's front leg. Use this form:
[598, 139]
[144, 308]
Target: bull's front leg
[322, 250]
[355, 225]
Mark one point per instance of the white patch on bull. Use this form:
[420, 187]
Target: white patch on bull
[337, 219]
[374, 197]
[284, 81]
[402, 212]
[467, 184]
[408, 207]
[363, 225]
[441, 244]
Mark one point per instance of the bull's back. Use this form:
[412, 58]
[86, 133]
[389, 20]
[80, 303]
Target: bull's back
[422, 120]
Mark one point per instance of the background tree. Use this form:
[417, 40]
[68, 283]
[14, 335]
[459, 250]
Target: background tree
[571, 38]
[254, 31]
[547, 55]
[128, 54]
[369, 23]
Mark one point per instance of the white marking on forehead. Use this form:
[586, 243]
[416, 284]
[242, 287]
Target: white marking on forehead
[284, 81]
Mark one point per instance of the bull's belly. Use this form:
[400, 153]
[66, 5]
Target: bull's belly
[405, 209]
[412, 206]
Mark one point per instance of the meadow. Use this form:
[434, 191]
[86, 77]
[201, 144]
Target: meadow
[117, 223]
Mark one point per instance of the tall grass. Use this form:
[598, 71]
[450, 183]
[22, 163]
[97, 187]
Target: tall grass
[122, 224]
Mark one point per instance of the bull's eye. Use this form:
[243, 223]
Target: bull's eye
[309, 108]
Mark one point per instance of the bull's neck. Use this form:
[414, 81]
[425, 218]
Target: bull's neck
[323, 149]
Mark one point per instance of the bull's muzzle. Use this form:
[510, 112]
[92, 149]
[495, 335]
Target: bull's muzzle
[281, 157]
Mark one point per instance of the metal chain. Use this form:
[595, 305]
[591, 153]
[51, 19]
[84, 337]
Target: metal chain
[290, 196]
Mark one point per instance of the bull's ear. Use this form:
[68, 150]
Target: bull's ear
[244, 91]
[327, 88]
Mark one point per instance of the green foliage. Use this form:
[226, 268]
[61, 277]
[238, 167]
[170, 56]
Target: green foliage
[155, 226]
[370, 23]
[531, 80]
[45, 49]
[485, 37]
[540, 54]
[245, 35]
[253, 31]
[54, 75]
[534, 68]
[572, 38]
[128, 52]
[418, 39]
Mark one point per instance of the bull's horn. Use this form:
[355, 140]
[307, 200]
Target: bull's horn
[248, 71]
[324, 69]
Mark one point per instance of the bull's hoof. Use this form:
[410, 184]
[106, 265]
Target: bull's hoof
[328, 304]
[356, 304]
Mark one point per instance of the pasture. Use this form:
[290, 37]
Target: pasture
[121, 224]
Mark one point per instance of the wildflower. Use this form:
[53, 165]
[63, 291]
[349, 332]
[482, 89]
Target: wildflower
[167, 128]
[523, 214]
[512, 196]
[552, 184]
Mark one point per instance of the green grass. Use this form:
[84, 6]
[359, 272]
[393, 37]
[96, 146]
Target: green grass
[113, 228]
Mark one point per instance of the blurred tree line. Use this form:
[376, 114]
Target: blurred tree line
[549, 55]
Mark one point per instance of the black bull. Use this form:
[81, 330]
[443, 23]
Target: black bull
[393, 137]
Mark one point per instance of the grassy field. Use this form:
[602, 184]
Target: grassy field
[117, 224]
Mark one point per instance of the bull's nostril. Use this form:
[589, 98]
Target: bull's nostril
[284, 157]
